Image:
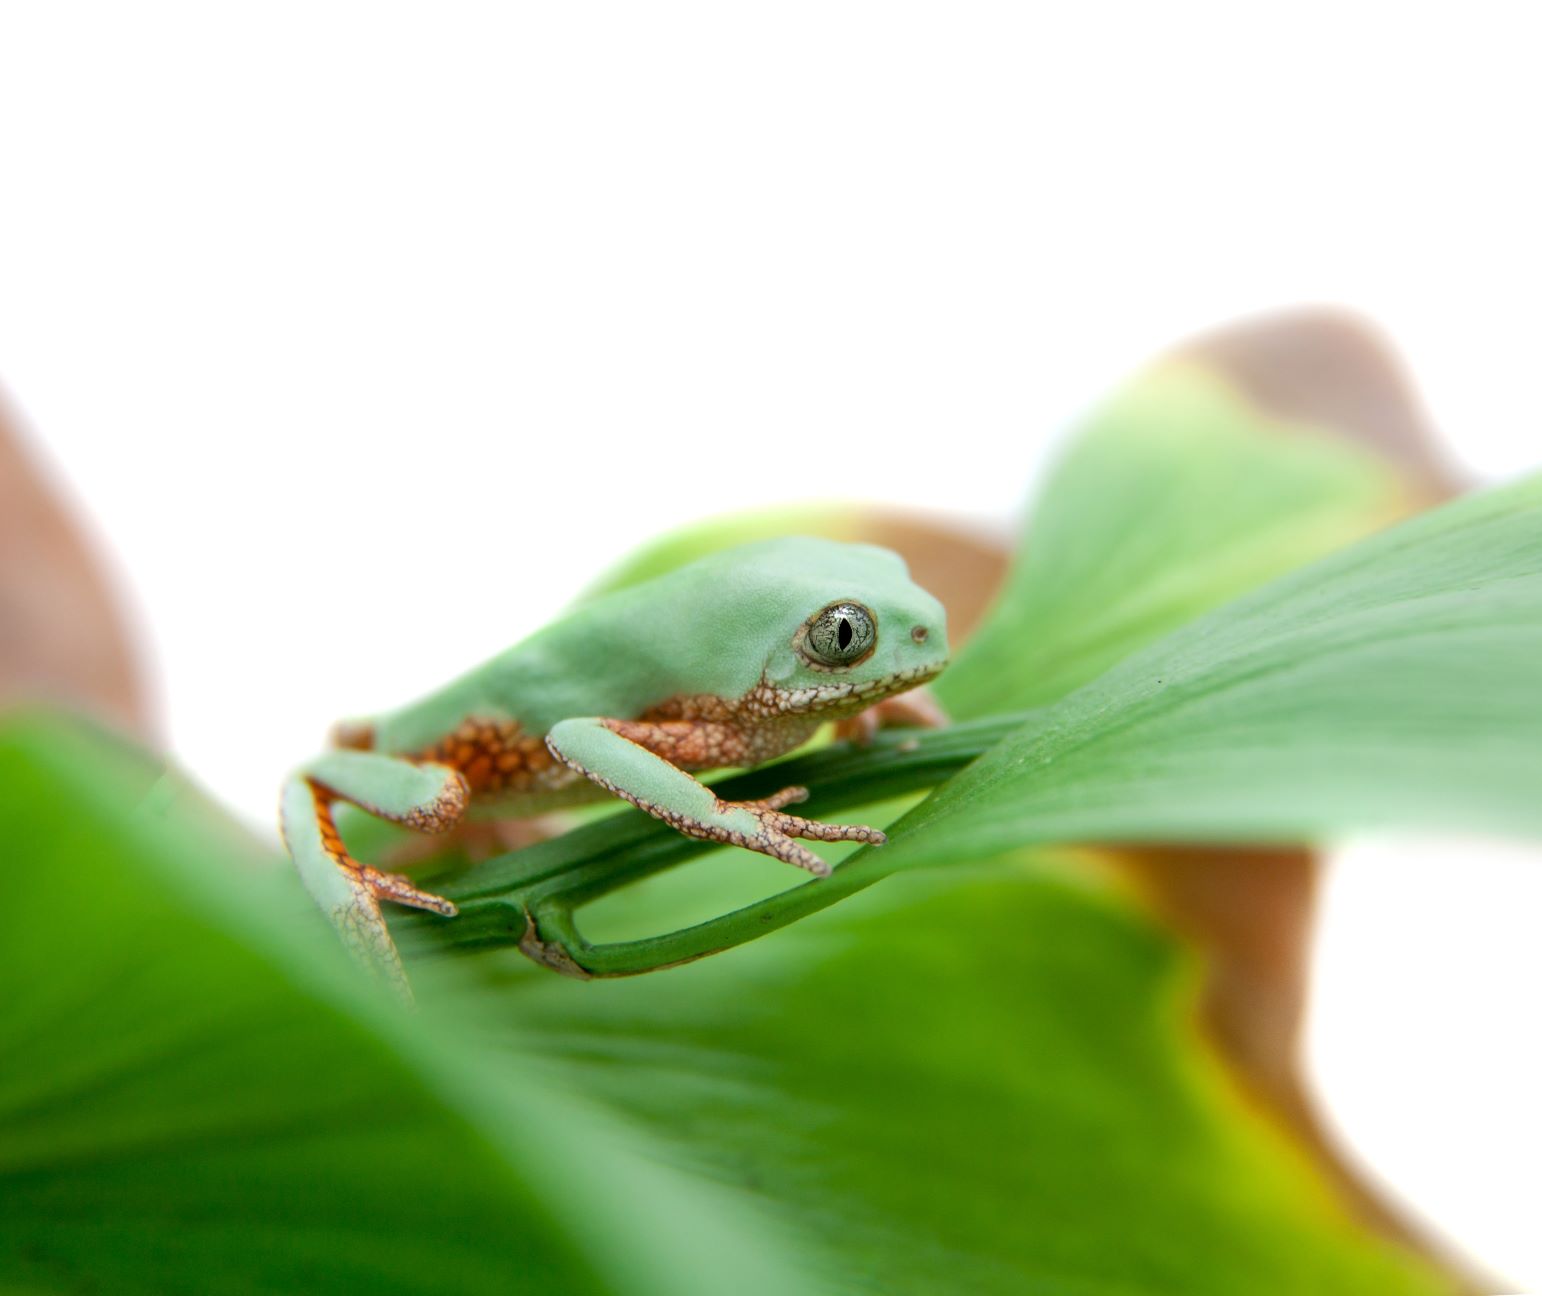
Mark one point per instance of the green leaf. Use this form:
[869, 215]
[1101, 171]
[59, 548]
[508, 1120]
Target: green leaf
[1179, 494]
[973, 1082]
[199, 1094]
[1392, 684]
[984, 1081]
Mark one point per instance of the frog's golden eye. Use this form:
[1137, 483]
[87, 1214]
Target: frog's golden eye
[840, 635]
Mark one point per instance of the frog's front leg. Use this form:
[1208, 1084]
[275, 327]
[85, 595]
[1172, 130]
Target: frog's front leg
[633, 760]
[430, 798]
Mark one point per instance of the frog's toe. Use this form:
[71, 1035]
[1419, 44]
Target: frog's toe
[786, 797]
[794, 826]
[393, 886]
[786, 849]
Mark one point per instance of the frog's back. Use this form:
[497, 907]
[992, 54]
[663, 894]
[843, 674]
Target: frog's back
[704, 628]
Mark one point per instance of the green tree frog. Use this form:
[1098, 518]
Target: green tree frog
[730, 660]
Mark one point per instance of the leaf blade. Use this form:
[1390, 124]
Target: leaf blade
[201, 1095]
[985, 1080]
[1392, 684]
[1178, 494]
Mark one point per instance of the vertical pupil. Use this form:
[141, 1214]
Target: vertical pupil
[843, 635]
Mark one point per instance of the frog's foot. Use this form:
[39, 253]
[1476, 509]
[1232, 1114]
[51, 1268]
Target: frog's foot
[773, 832]
[620, 756]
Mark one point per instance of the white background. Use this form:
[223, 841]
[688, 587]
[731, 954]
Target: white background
[365, 334]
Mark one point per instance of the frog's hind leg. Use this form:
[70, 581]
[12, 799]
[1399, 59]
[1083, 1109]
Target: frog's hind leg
[430, 798]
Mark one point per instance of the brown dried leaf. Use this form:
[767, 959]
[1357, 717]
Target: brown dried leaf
[62, 638]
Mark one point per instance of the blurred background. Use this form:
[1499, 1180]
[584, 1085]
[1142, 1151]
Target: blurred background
[362, 337]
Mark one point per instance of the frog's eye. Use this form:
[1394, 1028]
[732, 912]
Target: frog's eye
[840, 635]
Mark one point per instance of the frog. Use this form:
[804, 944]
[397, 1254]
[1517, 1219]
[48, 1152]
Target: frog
[725, 662]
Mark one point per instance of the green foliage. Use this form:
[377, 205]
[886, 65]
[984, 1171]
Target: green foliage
[1178, 495]
[985, 1081]
[978, 1078]
[981, 1082]
[1392, 684]
[200, 1095]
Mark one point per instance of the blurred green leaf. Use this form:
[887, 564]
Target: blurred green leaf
[200, 1095]
[974, 1083]
[1392, 684]
[1179, 493]
[984, 1081]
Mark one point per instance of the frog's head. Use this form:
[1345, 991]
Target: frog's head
[844, 625]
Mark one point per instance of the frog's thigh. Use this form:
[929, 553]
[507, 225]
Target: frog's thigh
[428, 797]
[630, 771]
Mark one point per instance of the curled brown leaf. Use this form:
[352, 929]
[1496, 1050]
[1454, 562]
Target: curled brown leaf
[62, 635]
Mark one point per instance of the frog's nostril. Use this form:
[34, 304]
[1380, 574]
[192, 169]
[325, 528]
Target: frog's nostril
[918, 633]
